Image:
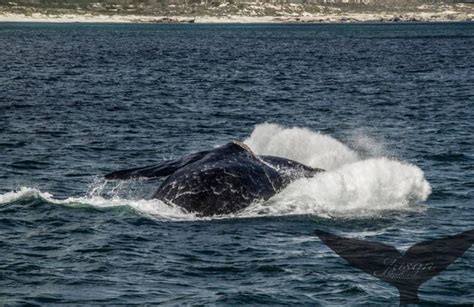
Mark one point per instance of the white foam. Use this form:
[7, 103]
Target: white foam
[364, 188]
[152, 207]
[22, 193]
[350, 187]
[300, 144]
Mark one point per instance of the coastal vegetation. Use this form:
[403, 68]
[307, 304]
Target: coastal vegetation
[295, 10]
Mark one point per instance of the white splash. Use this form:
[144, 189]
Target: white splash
[350, 187]
[362, 142]
[300, 144]
[153, 208]
[23, 193]
[362, 188]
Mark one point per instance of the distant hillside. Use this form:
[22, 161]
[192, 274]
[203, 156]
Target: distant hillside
[255, 8]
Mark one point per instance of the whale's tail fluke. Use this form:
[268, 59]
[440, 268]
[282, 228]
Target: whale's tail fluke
[407, 272]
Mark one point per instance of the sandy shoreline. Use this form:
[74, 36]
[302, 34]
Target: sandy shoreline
[445, 16]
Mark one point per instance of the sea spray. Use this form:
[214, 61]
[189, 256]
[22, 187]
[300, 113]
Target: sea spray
[362, 141]
[300, 144]
[363, 188]
[351, 186]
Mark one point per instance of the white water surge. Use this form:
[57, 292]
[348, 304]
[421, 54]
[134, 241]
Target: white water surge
[152, 207]
[300, 144]
[350, 187]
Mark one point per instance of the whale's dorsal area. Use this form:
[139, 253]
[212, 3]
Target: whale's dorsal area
[218, 181]
[166, 168]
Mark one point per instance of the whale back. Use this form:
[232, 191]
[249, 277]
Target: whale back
[162, 169]
[167, 168]
[224, 181]
[221, 180]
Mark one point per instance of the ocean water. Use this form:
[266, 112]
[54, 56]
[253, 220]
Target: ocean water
[386, 109]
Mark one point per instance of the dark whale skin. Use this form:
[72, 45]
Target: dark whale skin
[220, 181]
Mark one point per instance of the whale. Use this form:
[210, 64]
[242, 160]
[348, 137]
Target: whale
[220, 180]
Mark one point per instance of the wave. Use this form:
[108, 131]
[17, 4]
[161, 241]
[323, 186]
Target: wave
[351, 187]
[153, 208]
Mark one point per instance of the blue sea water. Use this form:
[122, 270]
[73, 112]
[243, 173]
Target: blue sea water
[387, 109]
